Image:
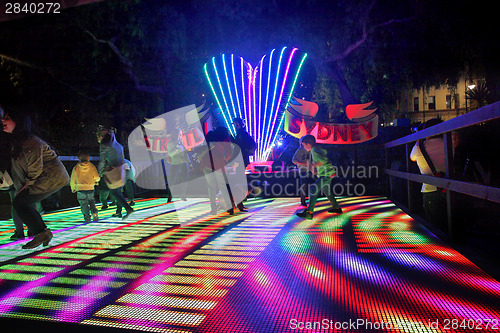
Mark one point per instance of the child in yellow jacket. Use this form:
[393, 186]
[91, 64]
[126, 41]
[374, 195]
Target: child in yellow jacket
[83, 179]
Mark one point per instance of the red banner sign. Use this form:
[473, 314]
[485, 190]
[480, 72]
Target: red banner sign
[297, 125]
[191, 139]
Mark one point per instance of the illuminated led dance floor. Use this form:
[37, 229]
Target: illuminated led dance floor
[372, 268]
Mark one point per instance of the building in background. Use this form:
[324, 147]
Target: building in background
[445, 101]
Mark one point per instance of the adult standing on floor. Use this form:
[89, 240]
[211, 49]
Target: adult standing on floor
[37, 173]
[6, 183]
[303, 160]
[179, 170]
[430, 158]
[213, 163]
[247, 146]
[112, 167]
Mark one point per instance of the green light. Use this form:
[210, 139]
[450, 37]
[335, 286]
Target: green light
[19, 277]
[51, 261]
[296, 242]
[409, 237]
[68, 292]
[33, 268]
[81, 282]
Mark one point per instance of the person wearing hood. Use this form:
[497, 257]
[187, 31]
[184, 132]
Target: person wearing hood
[6, 180]
[83, 179]
[37, 173]
[111, 157]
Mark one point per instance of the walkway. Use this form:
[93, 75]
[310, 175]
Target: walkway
[372, 268]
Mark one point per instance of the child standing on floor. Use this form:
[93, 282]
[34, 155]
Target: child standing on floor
[325, 172]
[83, 179]
[303, 160]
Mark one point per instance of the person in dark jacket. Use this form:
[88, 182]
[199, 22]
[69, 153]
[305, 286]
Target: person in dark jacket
[5, 170]
[247, 146]
[111, 156]
[213, 163]
[37, 173]
[244, 140]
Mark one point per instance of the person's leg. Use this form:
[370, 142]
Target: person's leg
[129, 190]
[302, 189]
[174, 175]
[113, 194]
[183, 178]
[221, 183]
[309, 181]
[82, 198]
[327, 189]
[120, 201]
[212, 188]
[435, 208]
[15, 217]
[103, 193]
[24, 204]
[93, 209]
[241, 187]
[315, 193]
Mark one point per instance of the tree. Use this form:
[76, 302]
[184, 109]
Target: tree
[124, 60]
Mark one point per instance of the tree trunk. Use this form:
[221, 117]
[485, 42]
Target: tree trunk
[336, 72]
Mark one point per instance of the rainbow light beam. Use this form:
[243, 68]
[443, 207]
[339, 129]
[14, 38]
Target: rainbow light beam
[259, 95]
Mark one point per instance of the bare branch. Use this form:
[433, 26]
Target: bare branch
[365, 33]
[127, 66]
[54, 77]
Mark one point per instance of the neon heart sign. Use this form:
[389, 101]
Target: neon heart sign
[259, 96]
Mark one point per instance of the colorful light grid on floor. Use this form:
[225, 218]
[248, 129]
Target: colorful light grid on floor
[70, 218]
[372, 268]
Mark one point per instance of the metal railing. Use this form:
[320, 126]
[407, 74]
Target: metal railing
[486, 192]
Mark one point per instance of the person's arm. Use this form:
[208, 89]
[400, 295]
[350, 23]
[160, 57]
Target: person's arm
[173, 149]
[295, 157]
[97, 178]
[414, 152]
[319, 157]
[72, 181]
[34, 162]
[132, 172]
[296, 160]
[251, 143]
[102, 160]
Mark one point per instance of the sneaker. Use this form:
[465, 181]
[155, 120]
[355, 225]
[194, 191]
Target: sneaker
[116, 215]
[305, 214]
[337, 210]
[104, 207]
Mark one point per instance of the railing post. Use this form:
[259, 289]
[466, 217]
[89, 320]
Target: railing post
[448, 158]
[388, 188]
[409, 185]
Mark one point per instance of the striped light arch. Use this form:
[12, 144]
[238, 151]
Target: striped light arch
[259, 96]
